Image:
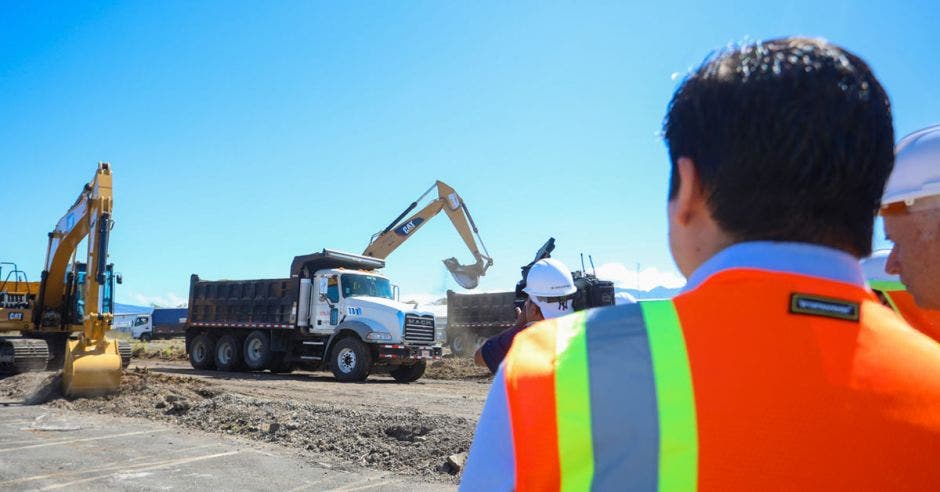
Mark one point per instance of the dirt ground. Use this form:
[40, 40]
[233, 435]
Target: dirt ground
[449, 368]
[172, 349]
[410, 429]
[19, 387]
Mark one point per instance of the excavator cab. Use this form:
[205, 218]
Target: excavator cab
[77, 306]
[77, 278]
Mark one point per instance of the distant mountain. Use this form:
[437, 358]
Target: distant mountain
[131, 309]
[654, 293]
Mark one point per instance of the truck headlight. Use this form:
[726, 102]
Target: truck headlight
[379, 335]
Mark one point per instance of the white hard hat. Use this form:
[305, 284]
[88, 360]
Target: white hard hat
[916, 168]
[549, 278]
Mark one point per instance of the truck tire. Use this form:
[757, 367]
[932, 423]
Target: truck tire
[409, 374]
[460, 345]
[145, 337]
[201, 352]
[257, 351]
[477, 343]
[228, 354]
[350, 360]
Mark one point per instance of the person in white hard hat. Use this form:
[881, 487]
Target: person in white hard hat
[550, 288]
[910, 207]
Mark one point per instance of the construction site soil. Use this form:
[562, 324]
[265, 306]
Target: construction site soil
[416, 429]
[449, 368]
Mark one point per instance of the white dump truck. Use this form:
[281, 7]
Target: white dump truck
[335, 310]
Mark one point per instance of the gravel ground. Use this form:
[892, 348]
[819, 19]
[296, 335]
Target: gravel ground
[21, 386]
[339, 425]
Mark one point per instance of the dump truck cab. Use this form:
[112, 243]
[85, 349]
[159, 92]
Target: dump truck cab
[365, 302]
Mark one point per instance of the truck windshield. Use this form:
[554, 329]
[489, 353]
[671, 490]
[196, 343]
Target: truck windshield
[366, 285]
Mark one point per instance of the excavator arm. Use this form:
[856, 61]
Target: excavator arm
[89, 216]
[385, 242]
[93, 362]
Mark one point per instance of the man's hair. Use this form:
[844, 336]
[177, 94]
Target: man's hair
[792, 139]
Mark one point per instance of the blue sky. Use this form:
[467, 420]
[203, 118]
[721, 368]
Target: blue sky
[242, 134]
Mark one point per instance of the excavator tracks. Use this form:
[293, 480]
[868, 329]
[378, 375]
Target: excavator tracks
[23, 355]
[126, 350]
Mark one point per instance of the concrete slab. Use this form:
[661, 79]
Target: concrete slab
[49, 449]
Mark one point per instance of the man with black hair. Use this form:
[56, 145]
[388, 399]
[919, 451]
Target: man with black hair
[775, 367]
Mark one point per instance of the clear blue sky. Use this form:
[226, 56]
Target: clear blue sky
[242, 134]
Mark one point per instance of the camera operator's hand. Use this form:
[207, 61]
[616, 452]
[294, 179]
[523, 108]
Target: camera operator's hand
[529, 314]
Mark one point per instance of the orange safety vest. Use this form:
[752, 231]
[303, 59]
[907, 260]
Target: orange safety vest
[754, 380]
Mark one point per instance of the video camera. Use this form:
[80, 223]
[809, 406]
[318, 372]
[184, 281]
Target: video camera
[592, 292]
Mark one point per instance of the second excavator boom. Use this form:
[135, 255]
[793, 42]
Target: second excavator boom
[388, 240]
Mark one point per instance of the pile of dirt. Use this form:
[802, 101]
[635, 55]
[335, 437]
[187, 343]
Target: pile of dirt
[456, 368]
[174, 349]
[29, 387]
[397, 440]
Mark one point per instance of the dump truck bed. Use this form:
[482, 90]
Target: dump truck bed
[265, 303]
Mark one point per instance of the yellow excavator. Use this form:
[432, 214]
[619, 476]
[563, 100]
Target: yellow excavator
[388, 240]
[71, 296]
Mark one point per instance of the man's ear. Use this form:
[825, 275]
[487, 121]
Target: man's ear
[689, 198]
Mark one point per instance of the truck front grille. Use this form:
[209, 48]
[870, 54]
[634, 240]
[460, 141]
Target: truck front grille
[419, 329]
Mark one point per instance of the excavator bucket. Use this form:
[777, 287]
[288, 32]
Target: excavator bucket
[467, 276]
[91, 369]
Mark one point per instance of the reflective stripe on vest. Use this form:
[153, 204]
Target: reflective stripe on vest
[568, 410]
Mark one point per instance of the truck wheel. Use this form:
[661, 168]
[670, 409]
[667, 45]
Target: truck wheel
[409, 374]
[201, 351]
[351, 360]
[228, 356]
[145, 337]
[257, 351]
[477, 343]
[460, 345]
